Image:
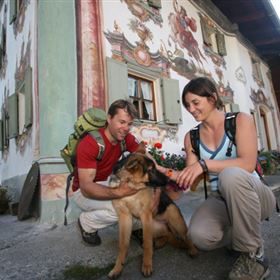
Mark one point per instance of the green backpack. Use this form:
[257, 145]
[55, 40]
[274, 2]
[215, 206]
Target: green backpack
[88, 123]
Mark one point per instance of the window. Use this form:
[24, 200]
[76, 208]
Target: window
[19, 115]
[2, 45]
[212, 37]
[155, 3]
[156, 98]
[15, 6]
[264, 130]
[141, 93]
[257, 74]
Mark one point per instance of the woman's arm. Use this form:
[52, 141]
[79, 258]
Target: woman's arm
[246, 146]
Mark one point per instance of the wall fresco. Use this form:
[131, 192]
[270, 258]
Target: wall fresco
[143, 11]
[123, 50]
[19, 22]
[53, 186]
[182, 27]
[91, 84]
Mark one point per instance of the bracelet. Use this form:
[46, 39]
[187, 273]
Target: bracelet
[169, 173]
[203, 165]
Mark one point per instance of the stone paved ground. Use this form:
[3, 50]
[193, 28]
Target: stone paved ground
[30, 250]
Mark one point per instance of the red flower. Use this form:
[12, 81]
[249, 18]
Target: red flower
[145, 143]
[162, 157]
[158, 145]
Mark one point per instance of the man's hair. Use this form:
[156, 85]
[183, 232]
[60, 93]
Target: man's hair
[126, 105]
[202, 87]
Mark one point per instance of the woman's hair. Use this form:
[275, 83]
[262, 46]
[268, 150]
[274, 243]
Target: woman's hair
[125, 105]
[202, 87]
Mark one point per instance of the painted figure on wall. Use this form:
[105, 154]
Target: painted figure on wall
[182, 27]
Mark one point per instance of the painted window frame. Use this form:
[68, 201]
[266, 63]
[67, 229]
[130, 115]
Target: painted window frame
[141, 102]
[167, 106]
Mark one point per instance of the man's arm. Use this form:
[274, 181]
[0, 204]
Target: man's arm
[96, 191]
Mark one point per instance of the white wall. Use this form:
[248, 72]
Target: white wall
[18, 158]
[237, 56]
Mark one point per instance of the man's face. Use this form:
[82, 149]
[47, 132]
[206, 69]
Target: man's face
[119, 125]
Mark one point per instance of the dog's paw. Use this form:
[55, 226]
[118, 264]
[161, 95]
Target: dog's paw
[147, 269]
[193, 252]
[114, 273]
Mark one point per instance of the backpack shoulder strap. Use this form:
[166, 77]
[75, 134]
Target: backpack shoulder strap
[194, 136]
[230, 126]
[123, 146]
[95, 134]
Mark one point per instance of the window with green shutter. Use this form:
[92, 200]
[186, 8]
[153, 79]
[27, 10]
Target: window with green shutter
[28, 98]
[14, 8]
[155, 3]
[5, 132]
[13, 115]
[171, 101]
[143, 87]
[1, 136]
[117, 80]
[212, 37]
[24, 92]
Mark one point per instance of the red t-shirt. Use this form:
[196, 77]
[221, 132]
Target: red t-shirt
[87, 151]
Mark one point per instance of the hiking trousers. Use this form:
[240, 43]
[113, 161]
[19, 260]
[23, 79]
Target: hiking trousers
[233, 216]
[98, 214]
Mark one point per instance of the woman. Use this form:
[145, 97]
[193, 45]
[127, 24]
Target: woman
[239, 201]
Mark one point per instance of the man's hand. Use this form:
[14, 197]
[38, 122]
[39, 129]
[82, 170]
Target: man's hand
[124, 190]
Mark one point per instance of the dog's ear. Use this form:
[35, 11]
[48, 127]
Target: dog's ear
[132, 165]
[141, 148]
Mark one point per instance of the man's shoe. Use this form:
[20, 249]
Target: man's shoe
[90, 238]
[247, 267]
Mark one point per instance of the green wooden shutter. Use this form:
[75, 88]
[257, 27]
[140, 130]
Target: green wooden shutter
[117, 77]
[234, 107]
[220, 38]
[1, 136]
[13, 115]
[206, 32]
[13, 10]
[171, 101]
[4, 129]
[1, 45]
[28, 97]
[155, 3]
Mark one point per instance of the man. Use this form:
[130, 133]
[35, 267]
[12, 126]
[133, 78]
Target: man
[89, 186]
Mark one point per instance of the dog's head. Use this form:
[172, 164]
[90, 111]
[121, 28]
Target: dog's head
[139, 168]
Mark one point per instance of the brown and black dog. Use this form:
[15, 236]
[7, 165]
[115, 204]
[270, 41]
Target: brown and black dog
[140, 172]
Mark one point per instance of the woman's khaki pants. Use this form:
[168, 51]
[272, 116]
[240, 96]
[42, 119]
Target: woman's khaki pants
[233, 217]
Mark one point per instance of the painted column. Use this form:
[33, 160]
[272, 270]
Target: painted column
[57, 89]
[91, 89]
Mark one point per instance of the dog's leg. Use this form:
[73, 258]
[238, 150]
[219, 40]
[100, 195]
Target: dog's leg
[178, 228]
[147, 223]
[125, 228]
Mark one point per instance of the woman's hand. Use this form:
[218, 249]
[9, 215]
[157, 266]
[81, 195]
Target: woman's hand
[189, 174]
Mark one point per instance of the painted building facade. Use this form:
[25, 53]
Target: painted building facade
[58, 58]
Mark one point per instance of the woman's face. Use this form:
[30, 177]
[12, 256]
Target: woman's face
[199, 106]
